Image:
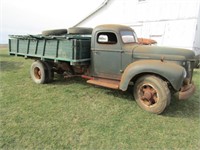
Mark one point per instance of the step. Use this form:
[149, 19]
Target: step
[105, 83]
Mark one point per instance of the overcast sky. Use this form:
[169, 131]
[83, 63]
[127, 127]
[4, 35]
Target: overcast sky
[33, 16]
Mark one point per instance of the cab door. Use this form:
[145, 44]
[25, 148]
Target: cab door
[107, 56]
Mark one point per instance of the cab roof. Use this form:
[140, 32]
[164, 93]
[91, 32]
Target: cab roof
[112, 27]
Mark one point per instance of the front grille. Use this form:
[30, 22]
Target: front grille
[189, 69]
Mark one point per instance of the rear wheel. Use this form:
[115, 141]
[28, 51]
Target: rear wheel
[38, 73]
[49, 71]
[152, 94]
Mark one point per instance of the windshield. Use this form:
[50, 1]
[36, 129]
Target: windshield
[128, 37]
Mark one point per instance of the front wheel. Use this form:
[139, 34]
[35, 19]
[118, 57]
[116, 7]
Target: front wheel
[152, 94]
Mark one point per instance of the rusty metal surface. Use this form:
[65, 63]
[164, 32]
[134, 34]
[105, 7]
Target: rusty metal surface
[186, 92]
[87, 77]
[105, 83]
[148, 95]
[145, 41]
[37, 73]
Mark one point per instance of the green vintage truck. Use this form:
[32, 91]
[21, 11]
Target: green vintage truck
[110, 56]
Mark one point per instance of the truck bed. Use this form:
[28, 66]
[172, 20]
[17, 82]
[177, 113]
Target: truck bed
[73, 49]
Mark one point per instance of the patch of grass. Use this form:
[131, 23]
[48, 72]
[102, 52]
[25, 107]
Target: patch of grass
[70, 114]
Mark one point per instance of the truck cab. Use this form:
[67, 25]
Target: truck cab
[108, 48]
[117, 59]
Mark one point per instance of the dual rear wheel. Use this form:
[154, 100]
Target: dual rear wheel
[41, 72]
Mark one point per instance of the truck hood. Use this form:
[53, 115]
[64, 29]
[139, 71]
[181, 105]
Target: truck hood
[157, 52]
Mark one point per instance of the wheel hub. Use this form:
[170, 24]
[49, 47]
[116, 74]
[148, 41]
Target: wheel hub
[148, 95]
[37, 73]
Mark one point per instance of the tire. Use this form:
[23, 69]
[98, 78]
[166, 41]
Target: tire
[38, 72]
[80, 30]
[49, 72]
[152, 94]
[54, 32]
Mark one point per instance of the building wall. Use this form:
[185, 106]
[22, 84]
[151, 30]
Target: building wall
[170, 22]
[196, 45]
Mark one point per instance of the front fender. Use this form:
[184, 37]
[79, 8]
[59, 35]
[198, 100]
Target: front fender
[170, 71]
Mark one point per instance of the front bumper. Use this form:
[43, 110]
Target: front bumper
[186, 92]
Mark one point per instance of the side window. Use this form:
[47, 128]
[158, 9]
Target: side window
[106, 38]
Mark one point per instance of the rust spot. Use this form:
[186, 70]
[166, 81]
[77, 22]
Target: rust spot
[186, 92]
[148, 95]
[105, 83]
[37, 73]
[87, 77]
[145, 41]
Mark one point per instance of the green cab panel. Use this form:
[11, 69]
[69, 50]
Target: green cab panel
[172, 72]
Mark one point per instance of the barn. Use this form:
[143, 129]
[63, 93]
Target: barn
[171, 23]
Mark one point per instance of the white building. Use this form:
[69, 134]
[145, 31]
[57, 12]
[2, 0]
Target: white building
[174, 23]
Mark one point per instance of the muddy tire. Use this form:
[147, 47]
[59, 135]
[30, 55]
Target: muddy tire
[152, 94]
[54, 32]
[80, 30]
[38, 72]
[49, 72]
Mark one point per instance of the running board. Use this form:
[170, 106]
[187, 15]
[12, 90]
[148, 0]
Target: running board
[105, 83]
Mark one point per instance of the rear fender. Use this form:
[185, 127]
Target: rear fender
[170, 71]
